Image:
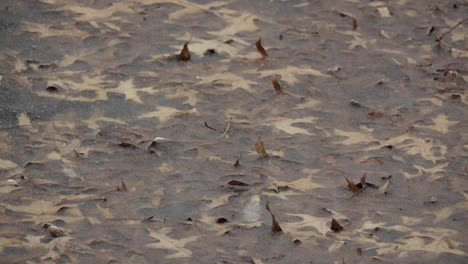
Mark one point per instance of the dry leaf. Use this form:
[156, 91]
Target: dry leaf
[386, 177]
[336, 68]
[52, 89]
[330, 158]
[335, 226]
[375, 114]
[237, 164]
[446, 70]
[373, 162]
[352, 186]
[434, 199]
[274, 224]
[127, 145]
[210, 52]
[12, 182]
[222, 220]
[355, 103]
[354, 23]
[55, 231]
[383, 189]
[185, 53]
[122, 187]
[260, 48]
[359, 251]
[363, 181]
[276, 85]
[261, 149]
[238, 183]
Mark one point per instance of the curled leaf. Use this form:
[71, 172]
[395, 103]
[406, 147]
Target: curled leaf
[355, 103]
[52, 89]
[383, 189]
[352, 186]
[261, 149]
[55, 231]
[122, 187]
[275, 227]
[185, 53]
[359, 251]
[354, 23]
[221, 220]
[238, 183]
[375, 113]
[363, 181]
[127, 145]
[237, 164]
[276, 85]
[335, 68]
[260, 48]
[335, 226]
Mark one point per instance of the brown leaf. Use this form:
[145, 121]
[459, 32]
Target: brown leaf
[359, 251]
[352, 186]
[261, 149]
[372, 161]
[276, 85]
[238, 183]
[55, 231]
[455, 96]
[52, 89]
[354, 23]
[375, 113]
[335, 226]
[446, 70]
[237, 164]
[222, 220]
[274, 224]
[185, 53]
[363, 181]
[127, 145]
[122, 187]
[260, 48]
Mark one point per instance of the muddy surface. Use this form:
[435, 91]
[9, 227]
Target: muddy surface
[115, 150]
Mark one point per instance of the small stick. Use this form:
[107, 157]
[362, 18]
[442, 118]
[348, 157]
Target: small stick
[227, 128]
[451, 29]
[212, 128]
[66, 198]
[360, 191]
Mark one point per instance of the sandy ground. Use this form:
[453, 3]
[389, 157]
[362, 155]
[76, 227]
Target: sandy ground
[118, 148]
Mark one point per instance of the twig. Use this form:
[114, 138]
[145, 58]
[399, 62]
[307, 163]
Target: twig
[451, 29]
[66, 198]
[212, 128]
[227, 128]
